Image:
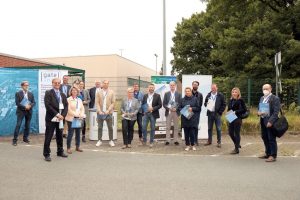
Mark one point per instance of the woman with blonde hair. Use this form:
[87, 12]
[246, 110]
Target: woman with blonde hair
[238, 106]
[74, 118]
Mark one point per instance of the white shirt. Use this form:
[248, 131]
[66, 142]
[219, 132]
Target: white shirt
[104, 92]
[25, 94]
[267, 98]
[150, 99]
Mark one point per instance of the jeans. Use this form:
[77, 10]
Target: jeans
[127, 130]
[269, 139]
[139, 122]
[146, 118]
[20, 117]
[214, 118]
[70, 135]
[109, 126]
[189, 135]
[234, 132]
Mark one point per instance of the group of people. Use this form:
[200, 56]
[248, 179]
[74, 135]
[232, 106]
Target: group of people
[67, 109]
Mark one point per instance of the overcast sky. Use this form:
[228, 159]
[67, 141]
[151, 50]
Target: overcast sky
[56, 28]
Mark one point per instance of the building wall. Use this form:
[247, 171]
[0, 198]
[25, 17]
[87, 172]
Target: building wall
[114, 68]
[7, 61]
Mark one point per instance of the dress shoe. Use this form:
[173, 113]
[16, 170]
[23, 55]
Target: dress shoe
[69, 151]
[263, 157]
[48, 159]
[207, 144]
[176, 143]
[78, 149]
[219, 145]
[167, 143]
[235, 151]
[63, 155]
[26, 141]
[271, 159]
[64, 135]
[83, 139]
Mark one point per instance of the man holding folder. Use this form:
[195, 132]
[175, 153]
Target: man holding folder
[56, 109]
[25, 102]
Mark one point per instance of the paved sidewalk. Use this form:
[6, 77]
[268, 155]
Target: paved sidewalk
[252, 146]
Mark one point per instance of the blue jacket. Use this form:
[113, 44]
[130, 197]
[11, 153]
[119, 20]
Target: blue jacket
[194, 120]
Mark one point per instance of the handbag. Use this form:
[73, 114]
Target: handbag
[281, 125]
[245, 114]
[76, 123]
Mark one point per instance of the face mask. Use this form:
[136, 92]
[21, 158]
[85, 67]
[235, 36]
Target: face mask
[266, 92]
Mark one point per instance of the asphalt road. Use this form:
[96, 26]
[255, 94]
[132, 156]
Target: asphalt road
[114, 175]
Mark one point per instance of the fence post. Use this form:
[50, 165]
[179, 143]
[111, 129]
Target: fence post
[249, 91]
[139, 81]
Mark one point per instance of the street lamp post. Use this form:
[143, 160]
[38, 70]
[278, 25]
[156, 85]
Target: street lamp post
[164, 70]
[155, 63]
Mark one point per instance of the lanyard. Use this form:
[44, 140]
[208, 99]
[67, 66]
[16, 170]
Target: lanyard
[172, 96]
[129, 102]
[213, 97]
[265, 100]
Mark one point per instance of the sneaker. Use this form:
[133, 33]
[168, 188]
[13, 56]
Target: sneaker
[26, 141]
[99, 143]
[14, 143]
[151, 145]
[176, 143]
[111, 143]
[219, 145]
[187, 148]
[194, 148]
[167, 143]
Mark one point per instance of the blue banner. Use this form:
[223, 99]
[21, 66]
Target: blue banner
[10, 83]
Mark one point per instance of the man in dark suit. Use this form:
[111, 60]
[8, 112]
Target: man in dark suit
[267, 119]
[65, 87]
[25, 102]
[215, 103]
[151, 104]
[56, 109]
[93, 92]
[171, 102]
[199, 97]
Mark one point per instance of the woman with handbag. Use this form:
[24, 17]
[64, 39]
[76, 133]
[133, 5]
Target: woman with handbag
[74, 118]
[129, 108]
[238, 107]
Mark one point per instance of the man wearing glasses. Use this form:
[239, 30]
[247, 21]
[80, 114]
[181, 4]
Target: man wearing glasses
[56, 109]
[25, 102]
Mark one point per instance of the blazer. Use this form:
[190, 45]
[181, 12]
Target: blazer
[156, 104]
[92, 93]
[199, 97]
[68, 89]
[194, 104]
[110, 101]
[238, 106]
[274, 103]
[87, 99]
[135, 106]
[52, 104]
[166, 100]
[139, 96]
[18, 99]
[220, 104]
[72, 108]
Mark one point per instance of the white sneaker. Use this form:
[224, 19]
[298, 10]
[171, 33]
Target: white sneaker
[111, 143]
[151, 145]
[187, 148]
[194, 148]
[99, 143]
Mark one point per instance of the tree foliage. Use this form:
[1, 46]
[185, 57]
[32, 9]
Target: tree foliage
[239, 37]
